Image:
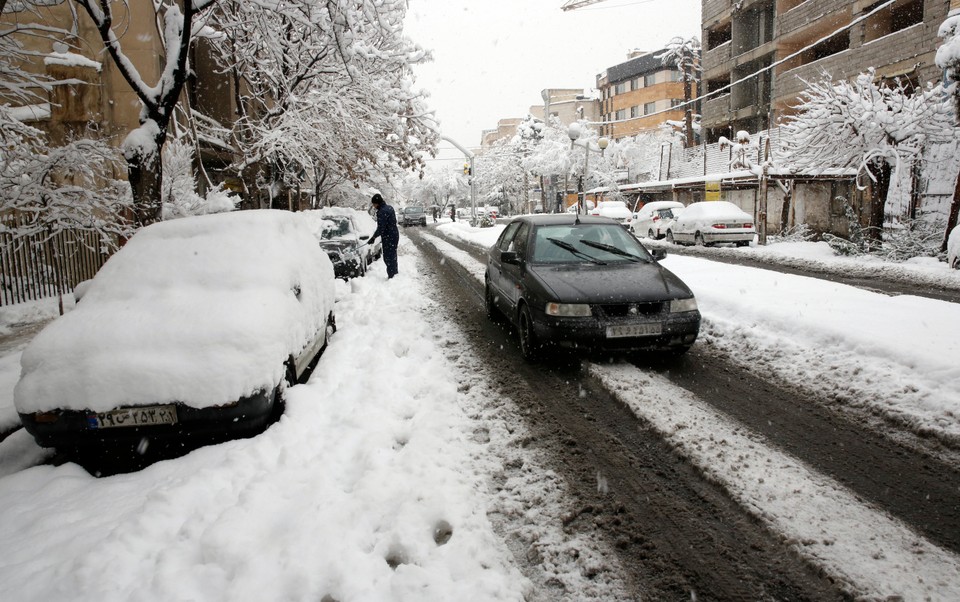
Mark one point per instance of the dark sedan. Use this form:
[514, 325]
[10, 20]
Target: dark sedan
[586, 283]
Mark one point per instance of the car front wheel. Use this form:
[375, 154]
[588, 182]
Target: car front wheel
[493, 312]
[651, 235]
[529, 345]
[698, 240]
[670, 236]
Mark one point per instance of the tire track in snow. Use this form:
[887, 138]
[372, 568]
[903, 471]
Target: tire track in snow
[874, 554]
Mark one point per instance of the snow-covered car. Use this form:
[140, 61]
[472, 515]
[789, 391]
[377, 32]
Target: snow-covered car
[710, 222]
[646, 222]
[615, 210]
[585, 283]
[413, 215]
[953, 248]
[189, 333]
[345, 246]
[363, 224]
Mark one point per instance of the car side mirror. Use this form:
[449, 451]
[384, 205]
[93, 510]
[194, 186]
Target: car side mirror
[659, 254]
[510, 257]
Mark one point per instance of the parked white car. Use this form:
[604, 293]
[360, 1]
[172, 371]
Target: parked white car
[615, 210]
[710, 222]
[647, 220]
[186, 334]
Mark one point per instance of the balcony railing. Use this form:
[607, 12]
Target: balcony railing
[715, 57]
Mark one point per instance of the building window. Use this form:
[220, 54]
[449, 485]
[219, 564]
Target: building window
[620, 88]
[650, 107]
[675, 102]
[634, 84]
[718, 35]
[900, 16]
[634, 112]
[675, 76]
[621, 114]
[649, 79]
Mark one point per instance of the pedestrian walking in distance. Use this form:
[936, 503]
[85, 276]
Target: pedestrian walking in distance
[388, 232]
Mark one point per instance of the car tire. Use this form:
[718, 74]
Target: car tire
[698, 240]
[529, 345]
[493, 312]
[743, 243]
[651, 235]
[670, 237]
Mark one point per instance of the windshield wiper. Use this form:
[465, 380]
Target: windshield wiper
[577, 252]
[612, 249]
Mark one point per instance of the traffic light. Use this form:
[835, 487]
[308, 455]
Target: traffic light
[466, 169]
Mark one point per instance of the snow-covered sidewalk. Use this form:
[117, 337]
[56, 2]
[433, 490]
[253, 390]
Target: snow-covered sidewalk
[374, 485]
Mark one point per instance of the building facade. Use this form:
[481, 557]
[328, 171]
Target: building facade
[568, 105]
[638, 95]
[94, 100]
[757, 53]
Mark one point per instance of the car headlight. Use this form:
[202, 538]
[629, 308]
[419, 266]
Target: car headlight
[679, 305]
[568, 310]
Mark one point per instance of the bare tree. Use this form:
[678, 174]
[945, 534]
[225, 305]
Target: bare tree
[143, 146]
[866, 126]
[684, 53]
[948, 59]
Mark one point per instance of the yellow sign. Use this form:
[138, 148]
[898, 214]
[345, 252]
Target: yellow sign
[712, 191]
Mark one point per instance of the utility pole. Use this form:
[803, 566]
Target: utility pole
[470, 156]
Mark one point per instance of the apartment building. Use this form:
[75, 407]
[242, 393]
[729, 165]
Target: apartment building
[638, 95]
[96, 101]
[757, 53]
[567, 105]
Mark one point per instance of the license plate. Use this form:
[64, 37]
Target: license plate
[634, 330]
[132, 417]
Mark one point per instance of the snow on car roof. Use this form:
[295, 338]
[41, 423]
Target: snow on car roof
[363, 220]
[202, 310]
[713, 208]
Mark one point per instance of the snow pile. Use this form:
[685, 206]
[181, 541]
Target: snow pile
[202, 310]
[953, 248]
[463, 231]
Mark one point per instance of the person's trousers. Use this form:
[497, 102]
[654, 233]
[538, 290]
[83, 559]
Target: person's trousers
[390, 257]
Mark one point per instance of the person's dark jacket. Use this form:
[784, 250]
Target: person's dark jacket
[386, 225]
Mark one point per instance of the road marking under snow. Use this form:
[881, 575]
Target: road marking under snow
[875, 554]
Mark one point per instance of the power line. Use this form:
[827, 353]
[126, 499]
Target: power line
[755, 74]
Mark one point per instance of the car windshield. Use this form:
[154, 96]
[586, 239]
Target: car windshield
[414, 210]
[586, 243]
[336, 227]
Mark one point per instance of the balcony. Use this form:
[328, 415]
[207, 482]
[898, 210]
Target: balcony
[813, 12]
[713, 9]
[716, 57]
[715, 110]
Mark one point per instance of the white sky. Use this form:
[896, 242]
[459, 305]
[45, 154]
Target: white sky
[493, 57]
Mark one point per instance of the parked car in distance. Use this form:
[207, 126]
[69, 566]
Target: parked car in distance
[646, 221]
[710, 222]
[586, 284]
[188, 334]
[615, 210]
[414, 215]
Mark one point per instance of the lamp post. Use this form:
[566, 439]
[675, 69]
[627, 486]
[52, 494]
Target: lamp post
[574, 132]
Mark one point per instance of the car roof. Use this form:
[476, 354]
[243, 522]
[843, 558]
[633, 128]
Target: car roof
[563, 219]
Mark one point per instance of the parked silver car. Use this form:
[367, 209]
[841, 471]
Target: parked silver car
[710, 222]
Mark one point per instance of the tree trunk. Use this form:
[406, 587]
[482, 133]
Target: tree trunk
[879, 202]
[785, 212]
[953, 215]
[688, 113]
[146, 176]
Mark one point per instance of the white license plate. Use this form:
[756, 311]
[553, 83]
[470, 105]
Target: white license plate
[131, 417]
[634, 330]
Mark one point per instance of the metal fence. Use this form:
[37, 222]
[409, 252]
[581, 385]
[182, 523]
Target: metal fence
[35, 267]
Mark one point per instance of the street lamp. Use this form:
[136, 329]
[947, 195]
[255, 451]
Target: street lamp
[574, 132]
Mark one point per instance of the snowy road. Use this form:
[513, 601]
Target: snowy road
[894, 478]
